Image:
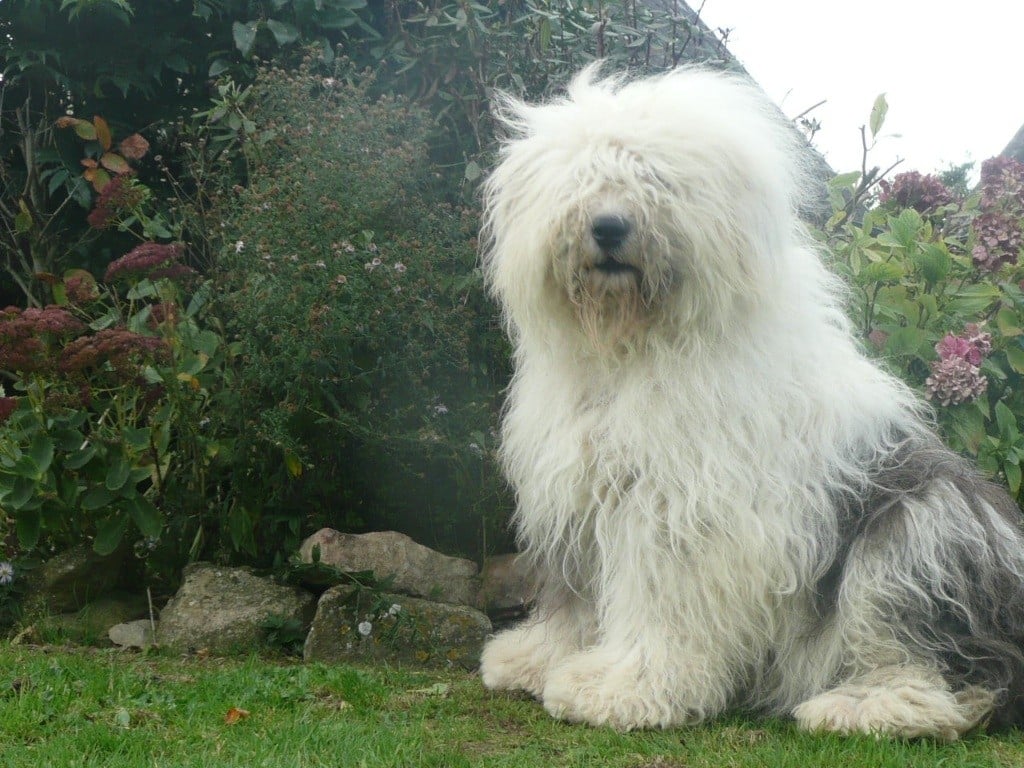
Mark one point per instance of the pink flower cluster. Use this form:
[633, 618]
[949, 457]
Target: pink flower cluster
[27, 335]
[956, 377]
[153, 260]
[998, 233]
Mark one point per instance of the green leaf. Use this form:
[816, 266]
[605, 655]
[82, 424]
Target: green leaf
[25, 467]
[906, 227]
[934, 262]
[1013, 476]
[878, 112]
[879, 272]
[904, 341]
[283, 32]
[97, 498]
[41, 452]
[29, 525]
[1015, 357]
[114, 163]
[968, 424]
[21, 493]
[80, 458]
[240, 526]
[244, 36]
[117, 473]
[137, 437]
[146, 516]
[293, 464]
[1006, 422]
[109, 533]
[218, 67]
[1008, 323]
[85, 130]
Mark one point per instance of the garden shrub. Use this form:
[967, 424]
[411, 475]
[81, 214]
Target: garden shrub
[371, 362]
[938, 294]
[103, 429]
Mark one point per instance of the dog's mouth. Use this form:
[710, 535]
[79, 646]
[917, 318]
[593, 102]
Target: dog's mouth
[612, 266]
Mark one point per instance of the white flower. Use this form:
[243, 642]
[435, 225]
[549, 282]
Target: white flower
[394, 610]
[399, 268]
[239, 246]
[441, 409]
[365, 628]
[6, 573]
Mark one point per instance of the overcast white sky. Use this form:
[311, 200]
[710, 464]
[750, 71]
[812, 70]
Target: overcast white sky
[952, 71]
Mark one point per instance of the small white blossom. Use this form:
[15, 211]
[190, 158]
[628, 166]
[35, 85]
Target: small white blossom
[476, 449]
[399, 268]
[320, 264]
[394, 610]
[441, 409]
[365, 628]
[6, 573]
[239, 246]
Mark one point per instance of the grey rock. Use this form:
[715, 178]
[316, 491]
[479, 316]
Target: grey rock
[71, 579]
[132, 634]
[507, 587]
[409, 568]
[360, 625]
[222, 609]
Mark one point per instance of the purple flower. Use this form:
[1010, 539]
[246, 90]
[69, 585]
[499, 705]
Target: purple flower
[998, 239]
[973, 346]
[912, 190]
[954, 380]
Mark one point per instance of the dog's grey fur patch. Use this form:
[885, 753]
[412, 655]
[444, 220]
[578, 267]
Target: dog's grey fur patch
[971, 627]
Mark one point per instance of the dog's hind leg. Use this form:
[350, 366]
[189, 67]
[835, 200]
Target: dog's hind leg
[903, 701]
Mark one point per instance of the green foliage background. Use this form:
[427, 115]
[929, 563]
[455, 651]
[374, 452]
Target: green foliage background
[335, 360]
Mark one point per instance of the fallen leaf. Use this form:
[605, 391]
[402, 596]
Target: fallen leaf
[235, 714]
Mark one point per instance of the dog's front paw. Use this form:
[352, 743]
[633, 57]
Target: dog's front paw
[517, 659]
[599, 688]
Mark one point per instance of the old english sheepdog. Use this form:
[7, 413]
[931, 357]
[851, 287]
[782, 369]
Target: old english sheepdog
[725, 502]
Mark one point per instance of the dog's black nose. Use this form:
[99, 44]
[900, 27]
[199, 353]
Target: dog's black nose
[609, 231]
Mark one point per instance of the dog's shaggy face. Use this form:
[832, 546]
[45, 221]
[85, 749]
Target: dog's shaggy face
[649, 204]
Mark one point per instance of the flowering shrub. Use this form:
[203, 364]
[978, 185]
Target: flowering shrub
[939, 295]
[97, 435]
[370, 360]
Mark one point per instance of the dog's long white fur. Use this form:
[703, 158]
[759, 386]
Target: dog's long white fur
[685, 447]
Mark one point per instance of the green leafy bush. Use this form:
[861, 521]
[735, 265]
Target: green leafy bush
[937, 294]
[103, 434]
[367, 384]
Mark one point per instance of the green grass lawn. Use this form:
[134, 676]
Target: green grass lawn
[62, 708]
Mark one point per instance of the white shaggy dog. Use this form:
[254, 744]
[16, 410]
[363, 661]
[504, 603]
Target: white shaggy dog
[725, 502]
